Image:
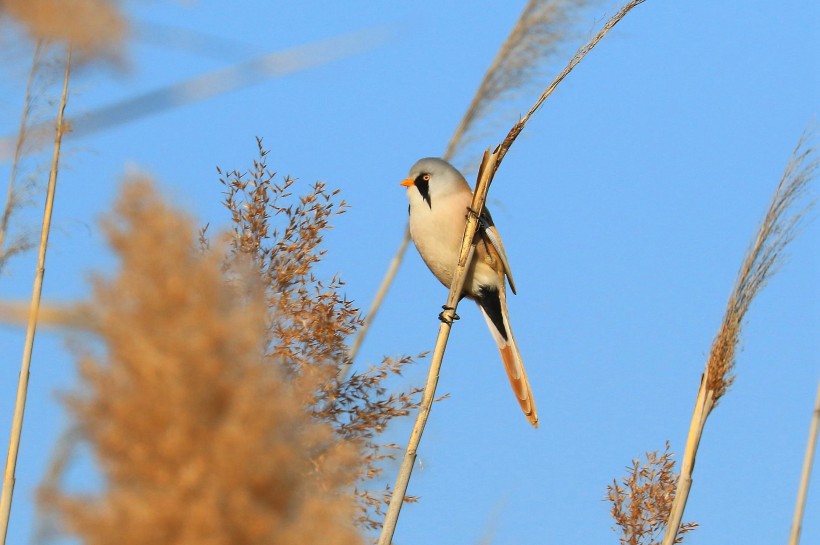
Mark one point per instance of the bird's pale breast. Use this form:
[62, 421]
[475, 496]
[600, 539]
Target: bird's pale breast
[437, 235]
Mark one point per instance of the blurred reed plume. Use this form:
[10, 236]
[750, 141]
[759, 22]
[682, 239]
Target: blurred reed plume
[542, 30]
[288, 322]
[308, 320]
[199, 438]
[777, 230]
[641, 503]
[29, 167]
[14, 194]
[89, 27]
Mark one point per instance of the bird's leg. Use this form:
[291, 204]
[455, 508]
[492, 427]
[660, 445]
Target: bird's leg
[473, 213]
[448, 320]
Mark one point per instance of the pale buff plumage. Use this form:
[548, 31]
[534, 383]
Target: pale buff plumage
[439, 198]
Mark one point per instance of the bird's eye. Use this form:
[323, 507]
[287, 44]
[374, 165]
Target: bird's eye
[426, 177]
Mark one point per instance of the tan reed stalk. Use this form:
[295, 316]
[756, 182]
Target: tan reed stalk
[11, 197]
[465, 258]
[486, 172]
[535, 35]
[776, 231]
[22, 388]
[802, 491]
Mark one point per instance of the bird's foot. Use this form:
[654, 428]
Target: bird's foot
[482, 221]
[448, 319]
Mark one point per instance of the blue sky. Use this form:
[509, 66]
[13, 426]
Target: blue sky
[625, 206]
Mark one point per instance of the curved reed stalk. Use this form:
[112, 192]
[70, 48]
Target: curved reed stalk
[488, 168]
[22, 387]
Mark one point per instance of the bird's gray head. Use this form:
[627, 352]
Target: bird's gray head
[434, 167]
[436, 176]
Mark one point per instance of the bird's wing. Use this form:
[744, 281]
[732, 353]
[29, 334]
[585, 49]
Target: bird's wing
[489, 232]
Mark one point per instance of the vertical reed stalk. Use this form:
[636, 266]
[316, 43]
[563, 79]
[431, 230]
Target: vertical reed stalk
[704, 404]
[802, 491]
[778, 228]
[22, 387]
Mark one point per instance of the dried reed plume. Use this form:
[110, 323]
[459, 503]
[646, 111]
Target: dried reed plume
[641, 503]
[91, 27]
[779, 227]
[540, 32]
[198, 437]
[308, 320]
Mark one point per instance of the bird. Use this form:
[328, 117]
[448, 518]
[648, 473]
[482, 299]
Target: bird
[440, 199]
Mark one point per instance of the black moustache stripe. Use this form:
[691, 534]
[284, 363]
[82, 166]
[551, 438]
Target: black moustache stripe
[424, 189]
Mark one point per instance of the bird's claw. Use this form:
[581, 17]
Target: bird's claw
[482, 221]
[448, 319]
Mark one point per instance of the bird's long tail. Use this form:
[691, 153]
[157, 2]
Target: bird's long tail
[493, 304]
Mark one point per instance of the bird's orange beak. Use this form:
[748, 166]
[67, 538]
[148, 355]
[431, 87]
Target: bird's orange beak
[408, 182]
